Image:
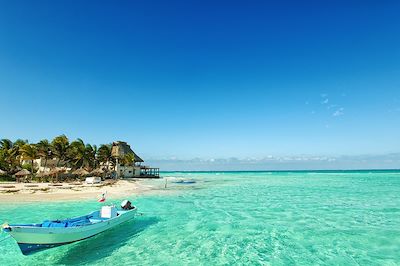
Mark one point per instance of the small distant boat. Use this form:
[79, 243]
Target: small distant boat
[185, 181]
[32, 238]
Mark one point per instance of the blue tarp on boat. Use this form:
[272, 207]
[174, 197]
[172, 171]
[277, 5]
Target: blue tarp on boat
[54, 224]
[66, 223]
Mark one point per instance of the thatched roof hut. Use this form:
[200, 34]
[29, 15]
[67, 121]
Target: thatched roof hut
[56, 171]
[80, 172]
[23, 172]
[43, 174]
[97, 172]
[121, 148]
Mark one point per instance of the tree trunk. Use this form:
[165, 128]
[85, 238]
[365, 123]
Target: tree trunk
[45, 163]
[32, 169]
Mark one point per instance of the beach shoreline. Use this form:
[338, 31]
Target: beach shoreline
[12, 192]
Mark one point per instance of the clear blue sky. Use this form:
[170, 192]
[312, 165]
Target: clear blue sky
[204, 79]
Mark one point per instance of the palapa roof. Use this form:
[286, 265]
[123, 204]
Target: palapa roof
[80, 171]
[23, 172]
[121, 148]
[42, 174]
[57, 170]
[97, 171]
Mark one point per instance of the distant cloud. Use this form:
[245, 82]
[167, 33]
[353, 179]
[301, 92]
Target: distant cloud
[325, 101]
[339, 112]
[330, 108]
[300, 162]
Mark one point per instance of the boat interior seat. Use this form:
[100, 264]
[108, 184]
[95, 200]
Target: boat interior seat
[98, 219]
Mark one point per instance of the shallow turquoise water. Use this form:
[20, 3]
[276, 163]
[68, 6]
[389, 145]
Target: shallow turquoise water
[248, 218]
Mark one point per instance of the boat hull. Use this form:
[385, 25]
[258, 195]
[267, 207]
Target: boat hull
[33, 239]
[28, 249]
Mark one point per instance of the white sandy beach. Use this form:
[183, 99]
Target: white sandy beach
[28, 192]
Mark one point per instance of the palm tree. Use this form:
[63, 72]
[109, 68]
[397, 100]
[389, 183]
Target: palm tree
[6, 144]
[5, 147]
[44, 150]
[60, 147]
[9, 154]
[104, 155]
[29, 152]
[19, 143]
[82, 155]
[91, 151]
[76, 153]
[3, 163]
[16, 153]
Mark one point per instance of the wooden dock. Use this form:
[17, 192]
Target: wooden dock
[149, 172]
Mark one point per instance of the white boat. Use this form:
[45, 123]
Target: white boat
[35, 237]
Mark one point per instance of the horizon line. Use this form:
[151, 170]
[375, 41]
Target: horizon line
[294, 170]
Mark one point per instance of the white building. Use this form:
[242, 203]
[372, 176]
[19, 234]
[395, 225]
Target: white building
[42, 165]
[128, 163]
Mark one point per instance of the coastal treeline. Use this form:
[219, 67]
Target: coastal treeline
[76, 154]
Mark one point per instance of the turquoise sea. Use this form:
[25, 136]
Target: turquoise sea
[237, 218]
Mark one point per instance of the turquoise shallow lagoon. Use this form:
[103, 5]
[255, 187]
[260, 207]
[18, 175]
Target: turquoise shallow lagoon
[245, 218]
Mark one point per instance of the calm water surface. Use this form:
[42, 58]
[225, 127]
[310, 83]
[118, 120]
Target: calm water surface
[247, 218]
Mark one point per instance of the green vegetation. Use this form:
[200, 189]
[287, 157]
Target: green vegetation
[21, 154]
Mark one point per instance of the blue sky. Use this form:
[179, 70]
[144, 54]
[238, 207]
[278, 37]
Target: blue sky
[200, 79]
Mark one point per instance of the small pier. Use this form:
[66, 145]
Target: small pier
[149, 172]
